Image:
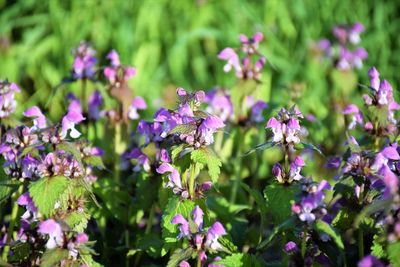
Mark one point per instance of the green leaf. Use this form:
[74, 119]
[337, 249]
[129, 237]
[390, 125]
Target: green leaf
[170, 231]
[207, 157]
[312, 147]
[377, 248]
[393, 252]
[240, 260]
[29, 150]
[95, 161]
[228, 244]
[262, 146]
[180, 255]
[21, 252]
[324, 227]
[176, 151]
[53, 256]
[279, 197]
[371, 209]
[183, 129]
[77, 220]
[262, 205]
[46, 192]
[151, 243]
[277, 230]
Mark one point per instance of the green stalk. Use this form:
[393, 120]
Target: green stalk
[14, 213]
[238, 162]
[192, 179]
[147, 231]
[83, 93]
[304, 245]
[117, 151]
[198, 260]
[360, 243]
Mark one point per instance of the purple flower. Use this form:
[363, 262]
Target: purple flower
[84, 62]
[354, 32]
[232, 59]
[276, 128]
[295, 168]
[219, 103]
[292, 131]
[173, 176]
[213, 233]
[256, 111]
[31, 210]
[141, 158]
[117, 74]
[94, 104]
[356, 115]
[7, 101]
[138, 103]
[370, 261]
[291, 247]
[114, 58]
[73, 117]
[53, 229]
[198, 217]
[183, 225]
[39, 120]
[374, 76]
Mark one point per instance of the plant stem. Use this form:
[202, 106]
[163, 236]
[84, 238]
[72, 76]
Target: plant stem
[360, 243]
[117, 151]
[192, 179]
[237, 168]
[83, 94]
[14, 213]
[198, 260]
[147, 231]
[304, 244]
[284, 255]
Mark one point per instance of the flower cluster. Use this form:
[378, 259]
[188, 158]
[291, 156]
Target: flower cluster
[286, 127]
[200, 239]
[84, 62]
[311, 205]
[251, 65]
[181, 186]
[116, 74]
[7, 101]
[380, 103]
[342, 52]
[288, 176]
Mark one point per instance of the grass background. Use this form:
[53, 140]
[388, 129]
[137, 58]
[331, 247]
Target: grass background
[175, 43]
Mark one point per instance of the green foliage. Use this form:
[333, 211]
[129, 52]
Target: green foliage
[393, 251]
[377, 248]
[53, 256]
[207, 157]
[169, 231]
[323, 227]
[240, 260]
[180, 255]
[77, 221]
[47, 191]
[95, 161]
[286, 225]
[279, 198]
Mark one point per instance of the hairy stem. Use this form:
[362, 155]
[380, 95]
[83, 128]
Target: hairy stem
[14, 213]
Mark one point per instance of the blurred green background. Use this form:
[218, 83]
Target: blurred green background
[175, 43]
